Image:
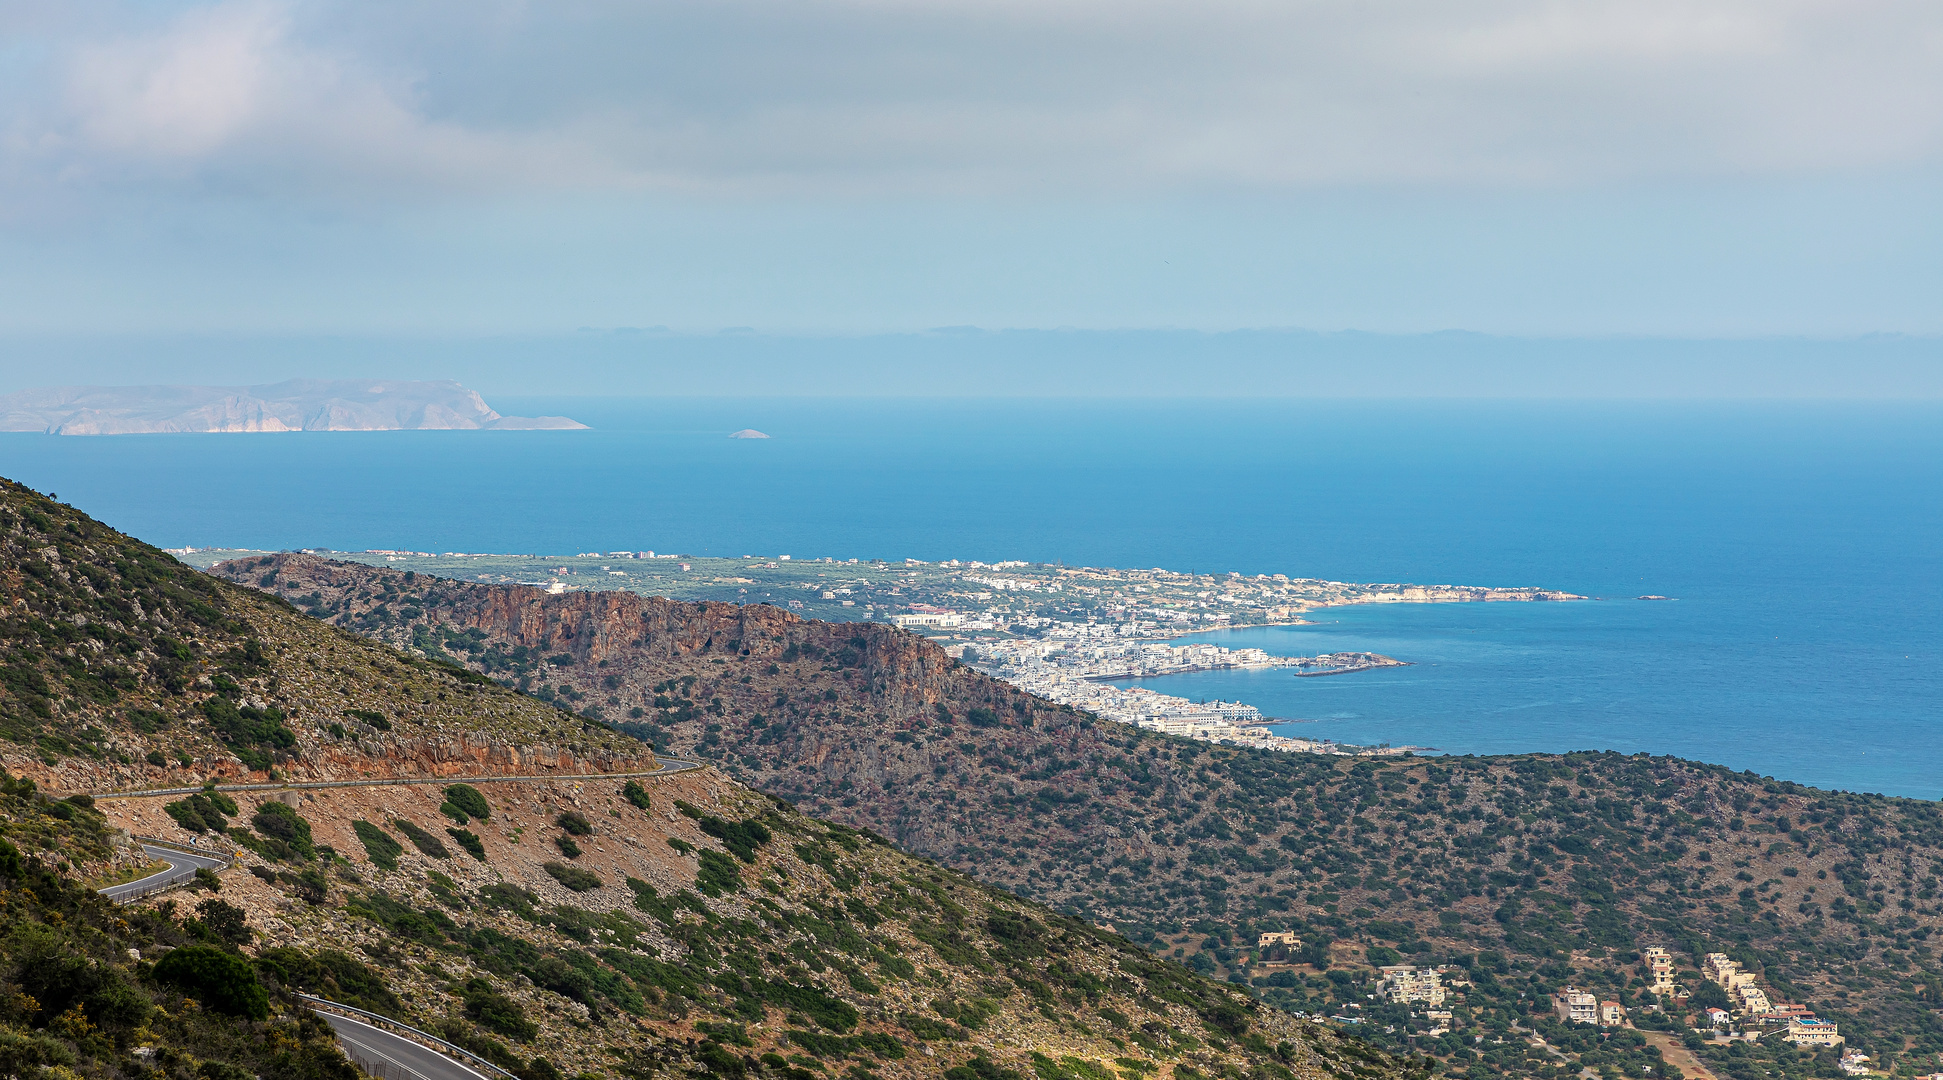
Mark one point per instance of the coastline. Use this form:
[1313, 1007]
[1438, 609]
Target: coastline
[1543, 596]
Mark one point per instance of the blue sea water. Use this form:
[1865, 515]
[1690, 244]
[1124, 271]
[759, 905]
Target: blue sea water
[1801, 541]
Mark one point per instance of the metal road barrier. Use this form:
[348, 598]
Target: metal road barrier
[670, 766]
[425, 1037]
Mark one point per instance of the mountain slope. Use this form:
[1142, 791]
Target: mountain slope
[593, 926]
[1558, 869]
[120, 667]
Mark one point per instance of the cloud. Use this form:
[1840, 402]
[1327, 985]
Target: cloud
[421, 99]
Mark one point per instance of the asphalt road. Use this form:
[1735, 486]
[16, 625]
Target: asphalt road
[181, 865]
[670, 766]
[366, 1045]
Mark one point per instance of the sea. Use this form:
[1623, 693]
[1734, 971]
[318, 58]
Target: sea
[1799, 545]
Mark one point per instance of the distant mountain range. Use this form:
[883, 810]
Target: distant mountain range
[295, 405]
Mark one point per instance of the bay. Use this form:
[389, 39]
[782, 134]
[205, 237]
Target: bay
[1801, 541]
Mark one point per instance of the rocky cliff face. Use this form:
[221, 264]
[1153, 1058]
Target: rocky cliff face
[866, 722]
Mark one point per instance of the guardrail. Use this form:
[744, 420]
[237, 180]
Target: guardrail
[387, 1023]
[185, 847]
[679, 765]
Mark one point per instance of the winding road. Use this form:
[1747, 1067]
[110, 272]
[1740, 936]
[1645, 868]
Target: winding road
[393, 1057]
[669, 767]
[378, 1052]
[182, 867]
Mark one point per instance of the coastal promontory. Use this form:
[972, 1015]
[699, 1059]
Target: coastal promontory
[293, 405]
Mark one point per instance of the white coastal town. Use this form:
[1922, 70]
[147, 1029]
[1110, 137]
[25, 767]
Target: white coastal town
[1073, 663]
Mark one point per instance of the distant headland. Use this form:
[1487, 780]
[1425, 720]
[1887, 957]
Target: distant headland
[295, 405]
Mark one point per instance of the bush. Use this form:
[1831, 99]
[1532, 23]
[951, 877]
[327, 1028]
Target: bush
[718, 874]
[567, 847]
[198, 813]
[217, 978]
[495, 1011]
[378, 844]
[333, 975]
[228, 922]
[375, 719]
[57, 979]
[422, 840]
[741, 837]
[634, 793]
[468, 800]
[573, 877]
[470, 841]
[575, 822]
[289, 831]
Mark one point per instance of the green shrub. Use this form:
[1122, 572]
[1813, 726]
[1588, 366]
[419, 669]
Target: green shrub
[984, 1068]
[57, 978]
[634, 793]
[333, 975]
[827, 1011]
[495, 1011]
[718, 874]
[468, 800]
[422, 840]
[288, 828]
[470, 841]
[573, 877]
[202, 812]
[567, 847]
[378, 844]
[217, 978]
[741, 837]
[575, 822]
[375, 719]
[229, 923]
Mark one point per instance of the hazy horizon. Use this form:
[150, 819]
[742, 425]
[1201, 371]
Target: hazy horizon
[968, 362]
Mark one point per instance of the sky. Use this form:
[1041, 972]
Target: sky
[438, 171]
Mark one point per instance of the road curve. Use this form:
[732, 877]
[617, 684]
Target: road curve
[670, 766]
[393, 1057]
[182, 866]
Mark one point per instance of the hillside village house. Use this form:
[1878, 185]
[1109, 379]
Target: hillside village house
[1718, 1017]
[1406, 983]
[1659, 968]
[1272, 938]
[1611, 1014]
[1578, 1006]
[1754, 1001]
[1809, 1031]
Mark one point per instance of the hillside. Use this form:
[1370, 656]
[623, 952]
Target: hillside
[578, 926]
[120, 668]
[1541, 871]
